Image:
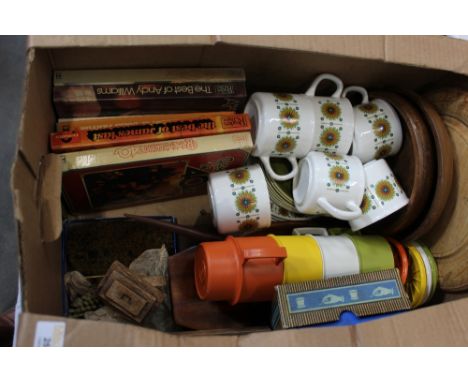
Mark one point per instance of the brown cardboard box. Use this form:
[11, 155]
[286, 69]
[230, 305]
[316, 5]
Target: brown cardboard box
[272, 63]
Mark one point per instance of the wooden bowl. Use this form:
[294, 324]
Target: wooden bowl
[444, 166]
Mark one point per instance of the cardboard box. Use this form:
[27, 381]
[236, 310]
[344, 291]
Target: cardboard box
[272, 63]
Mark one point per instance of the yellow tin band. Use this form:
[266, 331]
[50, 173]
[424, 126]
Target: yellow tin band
[434, 269]
[417, 279]
[304, 261]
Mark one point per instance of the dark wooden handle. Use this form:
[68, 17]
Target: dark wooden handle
[178, 228]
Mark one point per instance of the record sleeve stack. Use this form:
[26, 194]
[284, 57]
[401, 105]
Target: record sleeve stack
[135, 136]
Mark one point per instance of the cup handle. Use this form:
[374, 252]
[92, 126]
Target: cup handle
[274, 175]
[353, 209]
[357, 89]
[326, 76]
[317, 231]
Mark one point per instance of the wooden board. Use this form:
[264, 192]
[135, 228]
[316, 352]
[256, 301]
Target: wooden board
[449, 238]
[452, 103]
[192, 313]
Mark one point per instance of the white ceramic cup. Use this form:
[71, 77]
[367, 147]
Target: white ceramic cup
[377, 133]
[340, 257]
[291, 125]
[282, 127]
[333, 118]
[239, 199]
[329, 183]
[383, 195]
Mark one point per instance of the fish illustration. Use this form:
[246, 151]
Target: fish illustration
[381, 291]
[332, 299]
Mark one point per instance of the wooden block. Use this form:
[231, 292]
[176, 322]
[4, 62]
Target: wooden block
[128, 292]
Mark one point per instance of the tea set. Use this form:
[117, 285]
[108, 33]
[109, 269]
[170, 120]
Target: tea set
[336, 157]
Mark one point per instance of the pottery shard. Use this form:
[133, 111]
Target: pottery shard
[76, 285]
[152, 262]
[128, 292]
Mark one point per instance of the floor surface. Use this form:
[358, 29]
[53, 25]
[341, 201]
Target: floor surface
[12, 69]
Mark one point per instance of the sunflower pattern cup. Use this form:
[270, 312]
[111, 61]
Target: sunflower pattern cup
[383, 195]
[378, 132]
[288, 132]
[291, 125]
[329, 184]
[334, 118]
[282, 127]
[239, 199]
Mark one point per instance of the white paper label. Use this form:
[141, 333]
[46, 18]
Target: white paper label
[49, 333]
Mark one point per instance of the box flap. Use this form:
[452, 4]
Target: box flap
[441, 325]
[98, 333]
[37, 116]
[100, 41]
[437, 52]
[50, 189]
[353, 46]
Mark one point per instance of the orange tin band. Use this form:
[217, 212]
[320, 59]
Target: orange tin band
[401, 258]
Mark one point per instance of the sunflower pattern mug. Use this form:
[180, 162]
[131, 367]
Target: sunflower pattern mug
[239, 199]
[333, 118]
[383, 195]
[292, 125]
[377, 132]
[329, 183]
[289, 132]
[281, 128]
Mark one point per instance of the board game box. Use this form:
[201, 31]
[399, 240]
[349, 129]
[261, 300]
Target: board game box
[115, 177]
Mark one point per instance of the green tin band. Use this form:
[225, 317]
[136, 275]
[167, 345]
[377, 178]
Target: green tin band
[375, 253]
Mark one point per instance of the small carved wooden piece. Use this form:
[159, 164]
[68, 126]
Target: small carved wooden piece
[128, 292]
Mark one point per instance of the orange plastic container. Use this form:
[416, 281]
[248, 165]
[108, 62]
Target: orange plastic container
[239, 269]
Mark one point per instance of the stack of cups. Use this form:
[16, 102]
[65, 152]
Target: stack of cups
[340, 171]
[292, 125]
